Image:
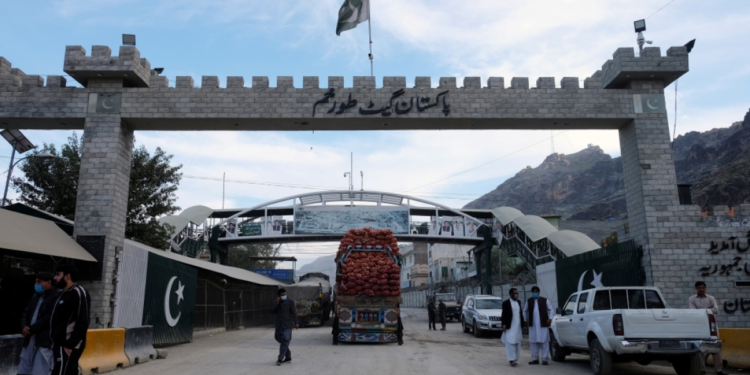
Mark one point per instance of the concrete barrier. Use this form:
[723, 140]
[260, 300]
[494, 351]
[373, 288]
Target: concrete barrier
[105, 351]
[735, 347]
[139, 344]
[10, 354]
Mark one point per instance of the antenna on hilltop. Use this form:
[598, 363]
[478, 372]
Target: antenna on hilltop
[552, 138]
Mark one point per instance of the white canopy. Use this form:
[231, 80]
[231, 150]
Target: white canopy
[506, 214]
[535, 227]
[233, 272]
[197, 214]
[27, 233]
[572, 243]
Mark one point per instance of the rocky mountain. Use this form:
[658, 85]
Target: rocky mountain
[324, 264]
[562, 184]
[589, 184]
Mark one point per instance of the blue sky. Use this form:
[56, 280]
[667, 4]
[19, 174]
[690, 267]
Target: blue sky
[416, 38]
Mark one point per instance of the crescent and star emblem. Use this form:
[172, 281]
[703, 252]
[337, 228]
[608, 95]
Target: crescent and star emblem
[653, 107]
[597, 283]
[180, 288]
[104, 103]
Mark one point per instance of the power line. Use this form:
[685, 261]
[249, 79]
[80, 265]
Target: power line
[489, 162]
[667, 4]
[313, 187]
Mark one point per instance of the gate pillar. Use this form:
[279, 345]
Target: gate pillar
[102, 198]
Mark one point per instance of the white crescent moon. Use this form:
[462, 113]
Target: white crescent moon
[580, 281]
[110, 107]
[172, 322]
[648, 103]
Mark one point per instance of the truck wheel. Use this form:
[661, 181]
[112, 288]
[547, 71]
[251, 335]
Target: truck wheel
[688, 365]
[555, 351]
[464, 326]
[477, 331]
[601, 361]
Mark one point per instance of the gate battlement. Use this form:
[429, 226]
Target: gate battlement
[135, 71]
[128, 66]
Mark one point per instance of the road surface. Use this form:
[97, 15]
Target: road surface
[450, 352]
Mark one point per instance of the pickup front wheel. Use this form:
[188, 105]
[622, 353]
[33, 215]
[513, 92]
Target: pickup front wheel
[601, 361]
[687, 365]
[555, 351]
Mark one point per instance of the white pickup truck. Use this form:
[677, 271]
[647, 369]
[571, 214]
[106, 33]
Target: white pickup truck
[632, 324]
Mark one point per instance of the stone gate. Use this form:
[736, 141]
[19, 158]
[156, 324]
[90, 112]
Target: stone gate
[123, 93]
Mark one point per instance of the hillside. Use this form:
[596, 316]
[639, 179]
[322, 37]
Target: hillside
[589, 184]
[324, 264]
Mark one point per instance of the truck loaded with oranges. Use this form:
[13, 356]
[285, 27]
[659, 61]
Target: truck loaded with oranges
[368, 288]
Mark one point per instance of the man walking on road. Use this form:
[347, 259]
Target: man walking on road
[704, 301]
[286, 319]
[69, 321]
[442, 310]
[537, 312]
[431, 314]
[512, 327]
[36, 356]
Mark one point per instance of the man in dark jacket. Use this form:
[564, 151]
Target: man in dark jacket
[431, 314]
[442, 311]
[69, 321]
[36, 356]
[512, 327]
[286, 319]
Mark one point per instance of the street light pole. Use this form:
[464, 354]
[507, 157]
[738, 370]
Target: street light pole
[10, 170]
[362, 175]
[44, 155]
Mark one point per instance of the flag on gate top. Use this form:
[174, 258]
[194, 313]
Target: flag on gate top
[352, 12]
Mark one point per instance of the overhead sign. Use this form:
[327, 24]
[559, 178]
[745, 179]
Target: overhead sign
[275, 274]
[339, 219]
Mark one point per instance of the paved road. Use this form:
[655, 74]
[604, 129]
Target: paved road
[450, 352]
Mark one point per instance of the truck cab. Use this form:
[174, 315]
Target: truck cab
[452, 305]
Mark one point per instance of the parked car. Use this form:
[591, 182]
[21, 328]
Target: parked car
[632, 324]
[482, 313]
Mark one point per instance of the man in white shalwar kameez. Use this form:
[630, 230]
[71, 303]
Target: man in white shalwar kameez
[538, 312]
[512, 319]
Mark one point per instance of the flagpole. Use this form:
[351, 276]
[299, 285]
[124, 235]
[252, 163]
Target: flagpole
[369, 31]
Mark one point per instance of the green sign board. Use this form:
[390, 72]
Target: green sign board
[169, 304]
[250, 229]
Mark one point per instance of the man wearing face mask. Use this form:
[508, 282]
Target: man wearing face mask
[69, 321]
[538, 312]
[512, 327]
[36, 356]
[286, 319]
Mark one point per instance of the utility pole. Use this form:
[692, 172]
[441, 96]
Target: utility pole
[362, 175]
[223, 188]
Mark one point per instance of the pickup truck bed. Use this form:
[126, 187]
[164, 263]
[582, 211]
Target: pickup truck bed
[632, 324]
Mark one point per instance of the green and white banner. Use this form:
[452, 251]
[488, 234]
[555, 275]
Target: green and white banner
[169, 303]
[617, 265]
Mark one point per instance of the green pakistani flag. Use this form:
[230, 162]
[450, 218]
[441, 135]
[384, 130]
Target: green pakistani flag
[351, 13]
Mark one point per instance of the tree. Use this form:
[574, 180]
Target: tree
[52, 186]
[610, 240]
[239, 255]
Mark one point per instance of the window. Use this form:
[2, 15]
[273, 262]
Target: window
[490, 304]
[653, 301]
[635, 299]
[601, 300]
[582, 302]
[570, 305]
[471, 303]
[619, 299]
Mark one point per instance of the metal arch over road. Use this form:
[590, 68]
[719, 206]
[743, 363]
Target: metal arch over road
[381, 210]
